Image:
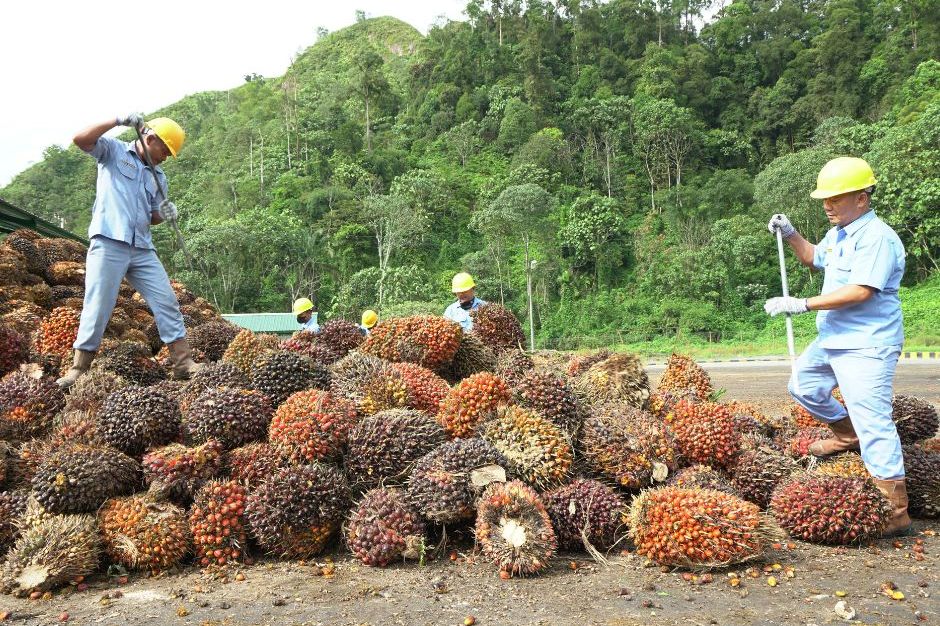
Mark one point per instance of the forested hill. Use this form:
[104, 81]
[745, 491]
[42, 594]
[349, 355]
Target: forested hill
[630, 150]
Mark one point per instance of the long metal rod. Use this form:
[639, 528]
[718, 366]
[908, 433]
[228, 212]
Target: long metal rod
[791, 347]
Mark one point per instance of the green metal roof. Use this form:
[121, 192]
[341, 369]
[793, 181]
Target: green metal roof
[277, 323]
[13, 218]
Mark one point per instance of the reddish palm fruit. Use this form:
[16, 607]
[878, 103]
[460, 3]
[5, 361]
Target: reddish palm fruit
[683, 374]
[251, 464]
[426, 390]
[385, 527]
[178, 471]
[57, 333]
[550, 396]
[142, 533]
[423, 339]
[585, 513]
[513, 529]
[218, 523]
[312, 426]
[471, 402]
[705, 433]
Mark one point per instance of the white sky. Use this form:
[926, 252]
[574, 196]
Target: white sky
[66, 64]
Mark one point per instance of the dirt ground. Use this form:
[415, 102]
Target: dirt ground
[811, 580]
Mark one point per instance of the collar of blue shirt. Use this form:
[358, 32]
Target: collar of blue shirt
[131, 147]
[854, 226]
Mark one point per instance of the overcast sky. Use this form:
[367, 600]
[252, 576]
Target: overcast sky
[67, 65]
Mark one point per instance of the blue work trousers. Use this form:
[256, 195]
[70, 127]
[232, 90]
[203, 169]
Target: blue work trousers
[107, 263]
[865, 376]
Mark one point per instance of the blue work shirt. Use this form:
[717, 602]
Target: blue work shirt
[311, 325]
[125, 195]
[460, 315]
[865, 252]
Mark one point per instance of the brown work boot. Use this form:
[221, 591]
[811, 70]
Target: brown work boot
[181, 359]
[845, 439]
[896, 491]
[81, 361]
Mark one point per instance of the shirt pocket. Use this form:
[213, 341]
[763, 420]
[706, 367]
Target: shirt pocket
[127, 169]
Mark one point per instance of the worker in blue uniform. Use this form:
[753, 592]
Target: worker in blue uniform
[464, 289]
[306, 314]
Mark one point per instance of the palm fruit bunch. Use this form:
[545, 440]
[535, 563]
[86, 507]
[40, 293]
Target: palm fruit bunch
[426, 390]
[830, 509]
[340, 337]
[38, 294]
[585, 514]
[446, 481]
[549, 395]
[56, 249]
[28, 404]
[382, 449]
[25, 459]
[182, 292]
[472, 356]
[386, 390]
[513, 365]
[705, 432]
[699, 528]
[750, 418]
[14, 349]
[295, 512]
[91, 390]
[513, 529]
[212, 339]
[922, 470]
[76, 427]
[535, 449]
[311, 426]
[758, 471]
[23, 317]
[700, 476]
[251, 464]
[218, 523]
[385, 527]
[682, 373]
[306, 343]
[845, 465]
[77, 478]
[628, 446]
[423, 339]
[497, 327]
[931, 445]
[580, 363]
[57, 333]
[282, 373]
[142, 533]
[131, 361]
[66, 273]
[23, 241]
[798, 443]
[351, 373]
[618, 378]
[228, 415]
[52, 552]
[212, 376]
[915, 419]
[247, 348]
[801, 418]
[134, 419]
[12, 506]
[472, 402]
[178, 472]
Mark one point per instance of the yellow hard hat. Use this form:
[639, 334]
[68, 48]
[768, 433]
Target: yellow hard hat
[462, 282]
[842, 175]
[302, 305]
[169, 132]
[369, 318]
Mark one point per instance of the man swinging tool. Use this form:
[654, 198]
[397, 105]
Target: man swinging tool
[859, 324]
[127, 202]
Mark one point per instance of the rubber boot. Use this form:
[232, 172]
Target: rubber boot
[896, 491]
[845, 439]
[181, 360]
[81, 361]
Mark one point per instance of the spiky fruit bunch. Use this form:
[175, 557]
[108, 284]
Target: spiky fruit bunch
[845, 465]
[618, 378]
[312, 425]
[340, 337]
[513, 529]
[682, 373]
[27, 457]
[305, 343]
[751, 419]
[700, 476]
[66, 273]
[386, 390]
[178, 471]
[705, 432]
[52, 552]
[580, 363]
[585, 513]
[28, 404]
[212, 339]
[931, 445]
[247, 347]
[133, 419]
[24, 241]
[284, 373]
[131, 361]
[14, 349]
[830, 509]
[471, 402]
[251, 464]
[699, 528]
[12, 506]
[295, 512]
[916, 419]
[212, 376]
[383, 448]
[141, 533]
[922, 470]
[513, 365]
[351, 373]
[497, 327]
[801, 418]
[550, 396]
[218, 523]
[422, 339]
[798, 443]
[57, 333]
[445, 482]
[56, 249]
[628, 445]
[662, 403]
[77, 478]
[229, 415]
[426, 390]
[90, 391]
[537, 451]
[758, 471]
[23, 317]
[76, 427]
[385, 527]
[472, 356]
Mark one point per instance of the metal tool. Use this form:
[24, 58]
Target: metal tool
[786, 293]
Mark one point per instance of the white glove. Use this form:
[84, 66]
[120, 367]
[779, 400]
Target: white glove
[168, 211]
[781, 222]
[785, 304]
[133, 120]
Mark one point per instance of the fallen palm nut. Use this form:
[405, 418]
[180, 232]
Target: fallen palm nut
[772, 581]
[469, 620]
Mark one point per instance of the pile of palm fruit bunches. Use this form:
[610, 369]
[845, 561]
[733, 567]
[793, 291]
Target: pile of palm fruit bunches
[389, 446]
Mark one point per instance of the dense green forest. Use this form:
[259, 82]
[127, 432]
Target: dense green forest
[624, 156]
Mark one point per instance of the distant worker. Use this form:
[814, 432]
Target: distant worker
[859, 324]
[369, 319]
[306, 315]
[463, 287]
[127, 203]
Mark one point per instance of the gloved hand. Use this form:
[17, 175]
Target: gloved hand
[781, 222]
[133, 120]
[785, 304]
[168, 211]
